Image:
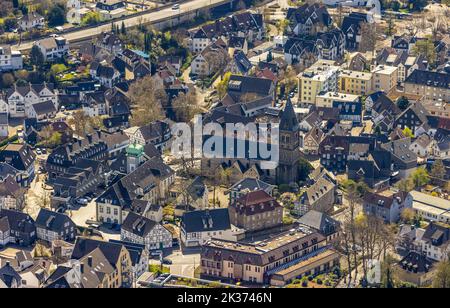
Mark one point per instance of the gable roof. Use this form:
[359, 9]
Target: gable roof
[428, 78]
[207, 220]
[52, 221]
[138, 225]
[319, 221]
[84, 246]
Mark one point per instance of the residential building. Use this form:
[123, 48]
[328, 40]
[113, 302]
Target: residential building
[199, 227]
[157, 133]
[320, 196]
[150, 182]
[53, 48]
[276, 261]
[384, 78]
[21, 157]
[322, 223]
[354, 82]
[195, 194]
[351, 26]
[432, 86]
[12, 195]
[31, 21]
[10, 60]
[210, 60]
[21, 99]
[321, 77]
[403, 159]
[256, 211]
[52, 226]
[141, 230]
[327, 99]
[414, 117]
[405, 62]
[4, 125]
[16, 228]
[386, 205]
[115, 255]
[9, 278]
[309, 19]
[247, 185]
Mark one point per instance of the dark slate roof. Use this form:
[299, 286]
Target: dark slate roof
[416, 262]
[4, 119]
[400, 149]
[242, 62]
[84, 246]
[52, 221]
[250, 184]
[138, 225]
[288, 118]
[20, 156]
[207, 220]
[246, 84]
[8, 275]
[197, 188]
[320, 222]
[136, 251]
[437, 234]
[427, 78]
[154, 130]
[44, 108]
[316, 12]
[18, 221]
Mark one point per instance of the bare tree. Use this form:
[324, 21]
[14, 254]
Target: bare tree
[185, 106]
[147, 98]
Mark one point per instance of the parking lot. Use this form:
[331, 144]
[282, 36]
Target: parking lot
[183, 263]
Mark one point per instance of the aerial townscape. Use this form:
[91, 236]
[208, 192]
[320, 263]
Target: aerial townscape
[134, 142]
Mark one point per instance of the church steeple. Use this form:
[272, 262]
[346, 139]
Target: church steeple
[288, 118]
[135, 154]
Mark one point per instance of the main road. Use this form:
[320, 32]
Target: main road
[133, 21]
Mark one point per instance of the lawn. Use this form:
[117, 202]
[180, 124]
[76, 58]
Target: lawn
[158, 270]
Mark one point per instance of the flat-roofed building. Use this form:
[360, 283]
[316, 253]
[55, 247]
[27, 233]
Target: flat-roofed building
[321, 77]
[327, 99]
[384, 78]
[354, 82]
[429, 207]
[276, 261]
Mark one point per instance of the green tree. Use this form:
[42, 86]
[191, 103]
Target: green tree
[403, 103]
[408, 132]
[420, 177]
[442, 277]
[123, 29]
[56, 15]
[222, 86]
[305, 169]
[91, 19]
[36, 56]
[7, 80]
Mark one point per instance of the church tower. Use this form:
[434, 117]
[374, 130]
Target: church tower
[135, 157]
[287, 171]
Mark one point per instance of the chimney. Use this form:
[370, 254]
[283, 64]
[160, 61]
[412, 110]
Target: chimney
[90, 261]
[82, 268]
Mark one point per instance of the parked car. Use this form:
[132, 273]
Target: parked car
[156, 253]
[82, 201]
[167, 262]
